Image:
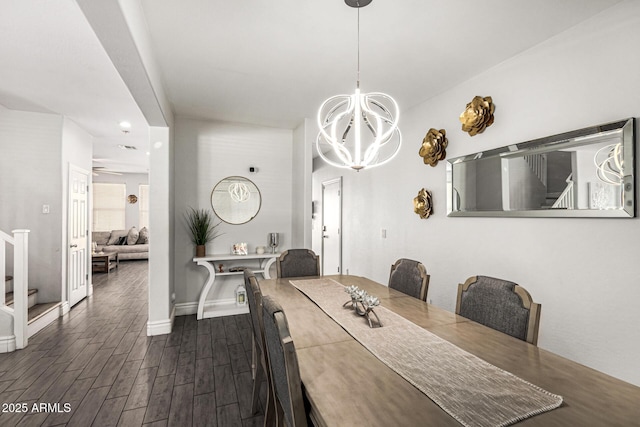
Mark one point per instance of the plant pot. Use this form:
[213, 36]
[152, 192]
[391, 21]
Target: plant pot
[201, 250]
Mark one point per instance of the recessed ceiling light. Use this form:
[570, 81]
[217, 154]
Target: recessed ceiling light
[125, 125]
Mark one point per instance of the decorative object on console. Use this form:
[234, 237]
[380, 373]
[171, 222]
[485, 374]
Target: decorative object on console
[260, 250]
[273, 241]
[132, 198]
[361, 130]
[241, 295]
[220, 268]
[434, 146]
[203, 229]
[423, 204]
[239, 249]
[478, 115]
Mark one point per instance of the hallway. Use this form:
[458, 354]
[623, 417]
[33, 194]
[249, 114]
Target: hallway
[96, 366]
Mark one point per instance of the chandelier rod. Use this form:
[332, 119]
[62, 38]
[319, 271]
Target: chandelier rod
[358, 74]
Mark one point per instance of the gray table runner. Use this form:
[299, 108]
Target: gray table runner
[469, 389]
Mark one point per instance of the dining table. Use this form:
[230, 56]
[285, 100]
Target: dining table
[344, 383]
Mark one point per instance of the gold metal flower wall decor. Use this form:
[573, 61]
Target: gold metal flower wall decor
[423, 204]
[434, 147]
[478, 115]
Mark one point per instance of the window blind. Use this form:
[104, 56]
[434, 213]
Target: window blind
[109, 203]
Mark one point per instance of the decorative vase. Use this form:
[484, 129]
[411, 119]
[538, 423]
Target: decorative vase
[201, 250]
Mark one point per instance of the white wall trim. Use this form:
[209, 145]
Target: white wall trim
[64, 308]
[7, 344]
[186, 308]
[41, 322]
[161, 327]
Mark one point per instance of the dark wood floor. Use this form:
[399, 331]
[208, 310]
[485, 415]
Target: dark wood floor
[98, 361]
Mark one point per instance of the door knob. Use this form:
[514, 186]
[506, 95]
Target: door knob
[73, 246]
[324, 236]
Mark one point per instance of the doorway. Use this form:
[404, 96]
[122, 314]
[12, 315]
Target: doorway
[332, 226]
[78, 228]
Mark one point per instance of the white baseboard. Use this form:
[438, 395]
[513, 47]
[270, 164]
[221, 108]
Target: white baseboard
[43, 321]
[161, 327]
[186, 308]
[7, 344]
[64, 308]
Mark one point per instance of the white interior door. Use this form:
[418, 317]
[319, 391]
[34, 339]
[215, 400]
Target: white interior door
[332, 226]
[78, 229]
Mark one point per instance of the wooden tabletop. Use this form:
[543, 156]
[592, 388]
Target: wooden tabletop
[347, 385]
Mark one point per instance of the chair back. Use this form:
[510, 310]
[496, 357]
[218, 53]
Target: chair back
[283, 362]
[254, 298]
[410, 277]
[259, 364]
[298, 263]
[500, 305]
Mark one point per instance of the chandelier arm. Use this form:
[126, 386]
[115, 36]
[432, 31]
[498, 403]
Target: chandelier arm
[368, 123]
[336, 107]
[394, 124]
[344, 165]
[392, 156]
[346, 131]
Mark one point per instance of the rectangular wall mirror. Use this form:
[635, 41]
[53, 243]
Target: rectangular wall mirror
[583, 173]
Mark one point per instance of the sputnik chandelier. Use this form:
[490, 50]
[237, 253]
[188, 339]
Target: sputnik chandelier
[361, 130]
[609, 162]
[239, 192]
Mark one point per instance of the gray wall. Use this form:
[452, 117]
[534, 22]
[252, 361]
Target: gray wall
[36, 150]
[207, 152]
[584, 272]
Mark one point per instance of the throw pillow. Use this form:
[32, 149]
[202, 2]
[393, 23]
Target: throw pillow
[122, 240]
[132, 236]
[143, 237]
[116, 235]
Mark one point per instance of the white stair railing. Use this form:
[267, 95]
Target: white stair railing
[20, 242]
[566, 199]
[538, 164]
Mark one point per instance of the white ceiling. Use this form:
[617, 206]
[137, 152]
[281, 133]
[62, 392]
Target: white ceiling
[262, 62]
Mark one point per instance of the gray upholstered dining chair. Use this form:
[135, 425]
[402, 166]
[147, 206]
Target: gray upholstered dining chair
[259, 365]
[297, 263]
[500, 305]
[410, 277]
[283, 364]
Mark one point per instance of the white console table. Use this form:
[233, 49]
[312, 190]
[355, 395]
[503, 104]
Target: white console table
[228, 307]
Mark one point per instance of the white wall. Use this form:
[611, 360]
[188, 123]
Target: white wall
[132, 182]
[207, 152]
[31, 176]
[302, 167]
[584, 272]
[161, 248]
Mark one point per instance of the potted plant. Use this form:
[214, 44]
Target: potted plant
[202, 228]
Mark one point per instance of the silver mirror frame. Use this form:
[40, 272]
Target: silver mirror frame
[564, 140]
[246, 217]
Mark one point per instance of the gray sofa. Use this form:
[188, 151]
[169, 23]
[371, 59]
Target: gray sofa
[135, 244]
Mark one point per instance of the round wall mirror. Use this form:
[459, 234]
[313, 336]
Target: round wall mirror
[236, 200]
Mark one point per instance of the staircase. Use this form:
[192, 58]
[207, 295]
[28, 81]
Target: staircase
[20, 314]
[39, 315]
